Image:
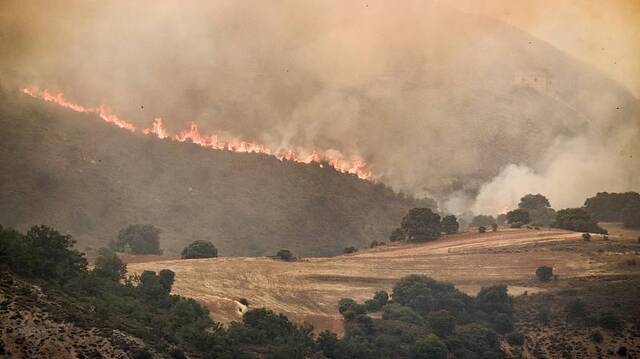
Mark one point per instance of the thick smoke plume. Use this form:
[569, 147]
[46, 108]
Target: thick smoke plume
[440, 101]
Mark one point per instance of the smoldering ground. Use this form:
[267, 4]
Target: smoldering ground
[439, 100]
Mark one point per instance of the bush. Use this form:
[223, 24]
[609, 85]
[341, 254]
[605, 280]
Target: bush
[544, 273]
[578, 220]
[377, 244]
[450, 224]
[494, 299]
[516, 225]
[139, 239]
[424, 294]
[430, 347]
[482, 229]
[494, 227]
[609, 320]
[199, 249]
[397, 235]
[109, 265]
[442, 323]
[349, 308]
[285, 255]
[586, 237]
[515, 339]
[596, 336]
[350, 250]
[244, 302]
[380, 299]
[421, 224]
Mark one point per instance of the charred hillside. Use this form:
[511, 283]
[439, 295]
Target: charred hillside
[90, 179]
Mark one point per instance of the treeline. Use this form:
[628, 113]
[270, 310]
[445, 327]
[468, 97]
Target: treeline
[615, 207]
[422, 317]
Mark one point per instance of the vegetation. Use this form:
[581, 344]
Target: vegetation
[544, 273]
[199, 249]
[539, 209]
[482, 220]
[350, 250]
[610, 207]
[420, 224]
[519, 216]
[109, 265]
[375, 243]
[577, 219]
[139, 239]
[586, 237]
[482, 229]
[494, 227]
[450, 224]
[285, 255]
[501, 219]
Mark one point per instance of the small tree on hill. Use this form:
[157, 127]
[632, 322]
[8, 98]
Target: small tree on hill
[482, 229]
[518, 216]
[108, 265]
[544, 273]
[139, 239]
[199, 249]
[397, 235]
[450, 224]
[350, 250]
[421, 224]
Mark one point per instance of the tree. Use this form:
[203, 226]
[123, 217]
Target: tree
[442, 323]
[494, 227]
[482, 220]
[503, 323]
[586, 237]
[577, 219]
[533, 201]
[494, 299]
[611, 207]
[450, 224]
[350, 250]
[482, 229]
[430, 347]
[501, 219]
[109, 265]
[631, 216]
[518, 216]
[397, 235]
[544, 273]
[380, 299]
[199, 249]
[285, 255]
[421, 224]
[139, 239]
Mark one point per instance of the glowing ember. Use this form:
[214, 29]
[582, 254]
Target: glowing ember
[192, 134]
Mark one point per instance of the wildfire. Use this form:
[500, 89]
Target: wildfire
[192, 134]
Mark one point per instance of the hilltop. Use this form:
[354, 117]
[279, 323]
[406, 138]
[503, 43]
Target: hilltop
[90, 179]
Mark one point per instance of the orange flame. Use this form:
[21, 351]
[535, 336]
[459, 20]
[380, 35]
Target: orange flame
[355, 166]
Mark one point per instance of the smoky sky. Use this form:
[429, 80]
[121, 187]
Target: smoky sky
[445, 100]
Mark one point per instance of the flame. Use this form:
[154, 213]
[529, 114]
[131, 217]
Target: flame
[192, 134]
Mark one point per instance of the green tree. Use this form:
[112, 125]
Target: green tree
[577, 219]
[199, 249]
[48, 254]
[109, 265]
[442, 323]
[430, 347]
[450, 224]
[139, 239]
[518, 216]
[533, 201]
[421, 224]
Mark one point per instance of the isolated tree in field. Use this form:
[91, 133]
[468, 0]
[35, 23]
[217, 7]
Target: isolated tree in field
[139, 239]
[285, 255]
[544, 273]
[421, 224]
[577, 219]
[108, 265]
[450, 224]
[199, 249]
[482, 220]
[518, 216]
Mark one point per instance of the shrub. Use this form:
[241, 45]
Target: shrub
[430, 347]
[515, 339]
[482, 229]
[109, 265]
[199, 249]
[494, 227]
[544, 273]
[244, 302]
[596, 336]
[285, 255]
[494, 299]
[450, 224]
[139, 239]
[377, 244]
[609, 320]
[442, 323]
[424, 294]
[349, 308]
[578, 220]
[516, 225]
[349, 250]
[397, 235]
[586, 237]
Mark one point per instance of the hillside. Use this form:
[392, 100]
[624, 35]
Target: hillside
[309, 290]
[90, 179]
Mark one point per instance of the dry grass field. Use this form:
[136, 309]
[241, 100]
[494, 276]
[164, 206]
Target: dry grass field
[309, 289]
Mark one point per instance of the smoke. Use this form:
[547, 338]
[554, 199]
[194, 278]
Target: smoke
[440, 102]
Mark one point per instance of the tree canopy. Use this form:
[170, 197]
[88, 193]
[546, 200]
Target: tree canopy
[533, 201]
[139, 239]
[577, 219]
[421, 224]
[199, 249]
[450, 224]
[518, 216]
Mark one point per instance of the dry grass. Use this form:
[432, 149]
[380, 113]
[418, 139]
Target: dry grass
[308, 290]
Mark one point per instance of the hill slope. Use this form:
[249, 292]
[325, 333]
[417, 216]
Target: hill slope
[89, 179]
